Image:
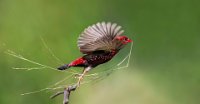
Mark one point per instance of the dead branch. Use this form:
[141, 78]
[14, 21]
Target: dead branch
[66, 93]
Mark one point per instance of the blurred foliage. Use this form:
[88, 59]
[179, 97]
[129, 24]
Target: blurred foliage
[164, 67]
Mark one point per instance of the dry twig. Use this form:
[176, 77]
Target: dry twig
[66, 93]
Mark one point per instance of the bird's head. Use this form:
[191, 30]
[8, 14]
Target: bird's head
[123, 39]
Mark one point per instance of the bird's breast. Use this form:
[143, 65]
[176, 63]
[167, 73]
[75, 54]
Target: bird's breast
[96, 59]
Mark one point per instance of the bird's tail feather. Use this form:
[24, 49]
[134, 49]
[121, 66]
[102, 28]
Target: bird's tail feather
[66, 66]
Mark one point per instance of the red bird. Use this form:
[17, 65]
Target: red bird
[100, 43]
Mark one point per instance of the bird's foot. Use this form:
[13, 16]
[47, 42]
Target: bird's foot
[77, 75]
[80, 78]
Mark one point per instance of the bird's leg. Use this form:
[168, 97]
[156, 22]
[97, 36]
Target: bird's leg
[82, 75]
[80, 78]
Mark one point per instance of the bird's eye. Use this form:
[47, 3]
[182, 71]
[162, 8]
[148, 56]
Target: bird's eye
[125, 39]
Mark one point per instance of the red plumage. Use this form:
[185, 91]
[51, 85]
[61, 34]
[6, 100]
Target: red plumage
[100, 43]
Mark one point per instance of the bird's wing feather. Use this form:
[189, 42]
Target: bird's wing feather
[99, 37]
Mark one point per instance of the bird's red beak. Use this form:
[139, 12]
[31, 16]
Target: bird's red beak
[129, 40]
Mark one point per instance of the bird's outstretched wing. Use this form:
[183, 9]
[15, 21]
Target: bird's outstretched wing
[99, 37]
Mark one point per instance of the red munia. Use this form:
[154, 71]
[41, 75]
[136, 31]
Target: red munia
[100, 43]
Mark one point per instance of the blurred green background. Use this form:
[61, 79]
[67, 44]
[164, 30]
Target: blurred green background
[164, 67]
